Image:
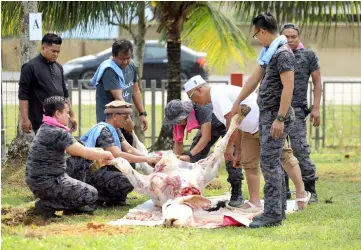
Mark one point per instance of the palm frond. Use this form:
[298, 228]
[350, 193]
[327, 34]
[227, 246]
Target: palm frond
[323, 14]
[11, 13]
[207, 29]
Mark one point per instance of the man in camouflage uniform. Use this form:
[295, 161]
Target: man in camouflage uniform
[46, 169]
[210, 130]
[306, 65]
[113, 187]
[276, 73]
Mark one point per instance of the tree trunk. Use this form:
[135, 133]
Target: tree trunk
[139, 43]
[19, 147]
[165, 139]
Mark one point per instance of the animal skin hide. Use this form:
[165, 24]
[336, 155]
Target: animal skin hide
[175, 178]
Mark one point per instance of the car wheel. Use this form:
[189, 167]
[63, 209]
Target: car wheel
[87, 75]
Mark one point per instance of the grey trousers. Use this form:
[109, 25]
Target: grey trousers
[271, 165]
[63, 192]
[111, 184]
[235, 175]
[301, 148]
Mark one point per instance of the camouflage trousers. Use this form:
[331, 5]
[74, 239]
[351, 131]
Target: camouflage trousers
[235, 175]
[63, 192]
[301, 149]
[111, 184]
[271, 165]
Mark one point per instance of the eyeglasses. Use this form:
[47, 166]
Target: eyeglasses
[126, 116]
[191, 95]
[255, 34]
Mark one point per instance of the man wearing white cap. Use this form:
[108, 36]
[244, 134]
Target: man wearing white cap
[246, 139]
[185, 116]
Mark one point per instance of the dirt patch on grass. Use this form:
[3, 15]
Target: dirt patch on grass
[21, 216]
[13, 174]
[215, 184]
[90, 229]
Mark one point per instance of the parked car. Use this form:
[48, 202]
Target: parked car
[155, 64]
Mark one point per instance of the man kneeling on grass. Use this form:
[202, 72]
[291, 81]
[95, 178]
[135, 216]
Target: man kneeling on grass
[113, 187]
[45, 168]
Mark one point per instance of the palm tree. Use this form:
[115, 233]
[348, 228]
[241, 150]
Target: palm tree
[61, 16]
[204, 26]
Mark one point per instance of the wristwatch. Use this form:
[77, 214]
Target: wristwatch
[188, 153]
[280, 118]
[143, 113]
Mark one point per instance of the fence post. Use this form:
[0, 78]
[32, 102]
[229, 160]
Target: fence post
[323, 114]
[153, 86]
[3, 138]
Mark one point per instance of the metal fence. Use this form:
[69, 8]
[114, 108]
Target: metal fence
[340, 107]
[340, 114]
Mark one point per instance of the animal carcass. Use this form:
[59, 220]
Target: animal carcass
[172, 177]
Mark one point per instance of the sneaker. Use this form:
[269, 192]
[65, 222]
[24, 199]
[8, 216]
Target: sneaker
[251, 209]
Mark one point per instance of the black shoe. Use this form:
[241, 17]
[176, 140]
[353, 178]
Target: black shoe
[236, 195]
[80, 210]
[265, 221]
[116, 203]
[310, 186]
[45, 213]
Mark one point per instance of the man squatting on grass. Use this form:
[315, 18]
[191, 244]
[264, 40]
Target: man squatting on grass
[113, 187]
[45, 168]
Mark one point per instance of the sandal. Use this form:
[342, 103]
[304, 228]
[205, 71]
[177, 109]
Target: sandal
[304, 199]
[251, 209]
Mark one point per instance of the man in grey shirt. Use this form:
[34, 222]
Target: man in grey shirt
[306, 66]
[116, 79]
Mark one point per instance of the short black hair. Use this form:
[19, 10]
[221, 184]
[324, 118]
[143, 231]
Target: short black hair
[123, 46]
[290, 26]
[265, 21]
[53, 104]
[51, 38]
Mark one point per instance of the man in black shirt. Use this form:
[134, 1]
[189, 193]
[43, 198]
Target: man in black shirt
[41, 78]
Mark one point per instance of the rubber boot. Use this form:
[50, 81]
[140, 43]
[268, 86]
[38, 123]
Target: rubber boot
[236, 195]
[288, 192]
[310, 186]
[265, 221]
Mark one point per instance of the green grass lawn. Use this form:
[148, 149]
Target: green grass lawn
[333, 225]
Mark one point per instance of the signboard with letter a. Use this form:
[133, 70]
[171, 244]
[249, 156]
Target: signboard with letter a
[35, 27]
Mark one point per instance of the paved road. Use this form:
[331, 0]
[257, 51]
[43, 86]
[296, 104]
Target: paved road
[336, 93]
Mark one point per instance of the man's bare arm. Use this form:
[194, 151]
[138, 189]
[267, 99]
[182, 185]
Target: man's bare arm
[317, 88]
[137, 98]
[204, 140]
[249, 87]
[117, 94]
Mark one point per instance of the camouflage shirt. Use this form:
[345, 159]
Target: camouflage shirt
[270, 90]
[106, 140]
[46, 158]
[306, 63]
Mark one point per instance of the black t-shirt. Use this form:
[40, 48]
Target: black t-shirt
[40, 79]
